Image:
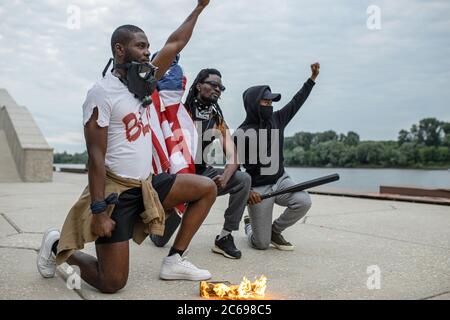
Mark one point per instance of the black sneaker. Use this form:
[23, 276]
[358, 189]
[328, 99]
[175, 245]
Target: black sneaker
[226, 247]
[280, 243]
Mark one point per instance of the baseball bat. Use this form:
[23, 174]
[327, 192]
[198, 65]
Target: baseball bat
[304, 185]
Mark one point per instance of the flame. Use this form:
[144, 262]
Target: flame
[245, 290]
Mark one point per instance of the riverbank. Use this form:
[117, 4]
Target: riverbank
[443, 167]
[353, 182]
[440, 167]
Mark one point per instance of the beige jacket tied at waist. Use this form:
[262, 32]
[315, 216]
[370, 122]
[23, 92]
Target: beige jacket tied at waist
[76, 230]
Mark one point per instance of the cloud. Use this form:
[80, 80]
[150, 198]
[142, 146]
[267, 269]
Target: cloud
[68, 141]
[69, 138]
[371, 82]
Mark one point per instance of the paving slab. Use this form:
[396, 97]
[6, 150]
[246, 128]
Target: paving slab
[426, 224]
[5, 228]
[445, 296]
[20, 280]
[30, 241]
[326, 264]
[34, 207]
[39, 219]
[340, 247]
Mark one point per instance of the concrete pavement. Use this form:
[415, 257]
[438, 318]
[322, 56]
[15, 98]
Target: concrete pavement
[341, 246]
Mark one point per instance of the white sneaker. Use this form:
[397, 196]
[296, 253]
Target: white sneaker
[176, 267]
[46, 263]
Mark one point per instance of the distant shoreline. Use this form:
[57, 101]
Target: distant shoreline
[375, 167]
[323, 167]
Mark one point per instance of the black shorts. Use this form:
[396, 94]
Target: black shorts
[131, 205]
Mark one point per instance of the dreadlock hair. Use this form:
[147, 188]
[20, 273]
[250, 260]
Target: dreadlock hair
[193, 93]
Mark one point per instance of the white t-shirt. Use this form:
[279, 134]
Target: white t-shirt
[129, 150]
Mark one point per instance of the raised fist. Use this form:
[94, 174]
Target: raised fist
[315, 69]
[203, 3]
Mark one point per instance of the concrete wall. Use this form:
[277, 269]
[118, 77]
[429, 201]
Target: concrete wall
[31, 153]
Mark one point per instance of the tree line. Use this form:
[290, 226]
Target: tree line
[77, 158]
[425, 145]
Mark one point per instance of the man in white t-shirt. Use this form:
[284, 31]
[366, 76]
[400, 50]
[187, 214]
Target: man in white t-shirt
[118, 139]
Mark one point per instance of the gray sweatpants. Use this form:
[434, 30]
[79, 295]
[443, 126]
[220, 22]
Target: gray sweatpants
[239, 189]
[297, 204]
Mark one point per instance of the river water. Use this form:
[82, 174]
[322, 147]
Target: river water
[369, 180]
[362, 180]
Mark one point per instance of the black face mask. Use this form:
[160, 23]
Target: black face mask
[141, 80]
[265, 112]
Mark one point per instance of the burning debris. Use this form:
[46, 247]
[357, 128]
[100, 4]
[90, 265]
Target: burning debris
[225, 290]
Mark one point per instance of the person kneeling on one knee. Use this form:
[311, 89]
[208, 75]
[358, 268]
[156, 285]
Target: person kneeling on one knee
[268, 175]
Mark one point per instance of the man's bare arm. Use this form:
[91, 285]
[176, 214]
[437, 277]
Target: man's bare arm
[177, 40]
[96, 142]
[229, 149]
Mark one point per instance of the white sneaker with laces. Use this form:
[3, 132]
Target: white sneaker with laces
[46, 263]
[176, 267]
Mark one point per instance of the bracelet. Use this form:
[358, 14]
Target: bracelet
[98, 207]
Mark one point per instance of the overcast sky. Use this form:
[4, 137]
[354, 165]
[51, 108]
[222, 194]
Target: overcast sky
[374, 82]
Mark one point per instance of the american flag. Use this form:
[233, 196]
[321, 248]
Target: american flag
[174, 136]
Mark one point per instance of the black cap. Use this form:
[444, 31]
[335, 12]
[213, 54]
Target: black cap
[268, 95]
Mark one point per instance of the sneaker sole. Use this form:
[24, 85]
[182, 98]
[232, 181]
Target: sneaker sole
[283, 248]
[182, 277]
[220, 251]
[40, 253]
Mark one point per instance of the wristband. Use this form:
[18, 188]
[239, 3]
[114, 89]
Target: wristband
[98, 207]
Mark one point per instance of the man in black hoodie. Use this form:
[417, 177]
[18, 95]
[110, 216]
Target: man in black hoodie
[260, 146]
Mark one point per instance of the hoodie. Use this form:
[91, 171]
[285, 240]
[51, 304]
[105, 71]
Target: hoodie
[279, 120]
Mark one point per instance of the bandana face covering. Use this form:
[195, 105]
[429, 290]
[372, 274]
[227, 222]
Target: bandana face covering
[202, 111]
[265, 112]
